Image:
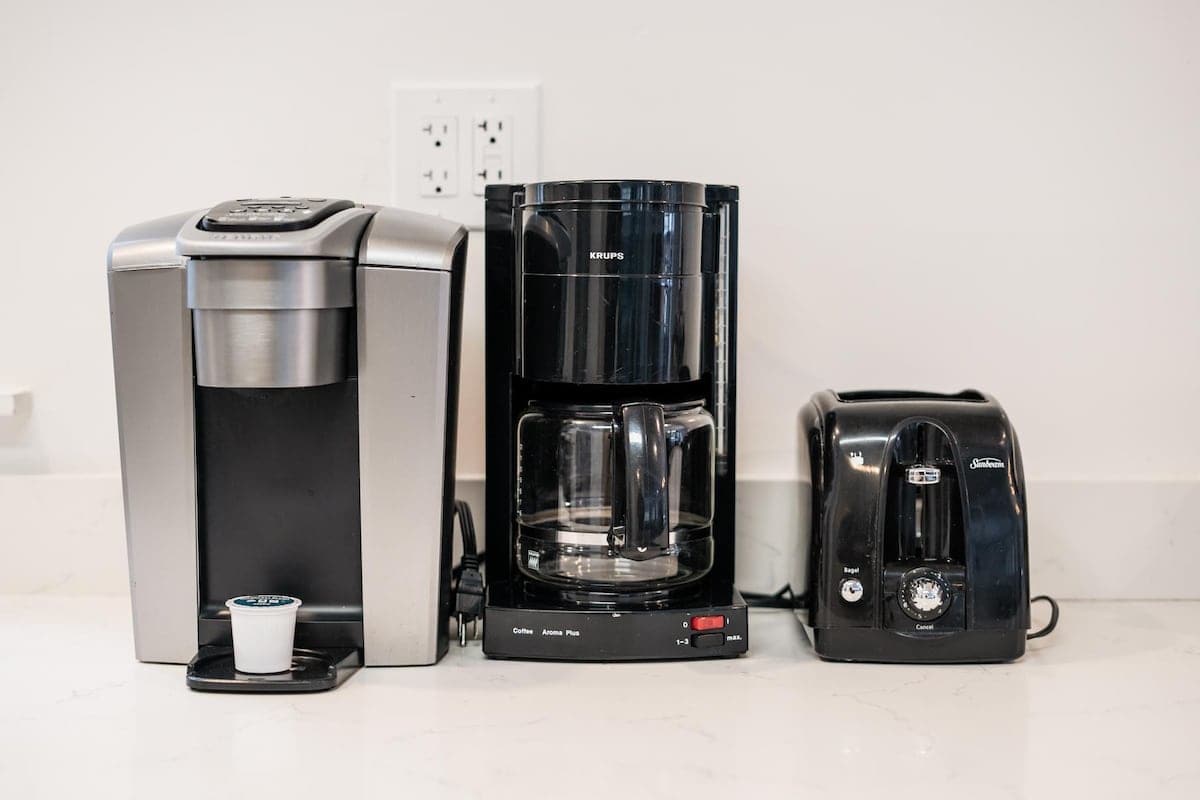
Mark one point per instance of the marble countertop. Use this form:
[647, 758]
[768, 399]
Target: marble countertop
[1107, 706]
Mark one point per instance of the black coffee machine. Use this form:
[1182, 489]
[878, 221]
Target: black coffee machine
[919, 529]
[611, 324]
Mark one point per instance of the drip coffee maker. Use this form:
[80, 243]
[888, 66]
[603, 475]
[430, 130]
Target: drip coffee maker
[610, 427]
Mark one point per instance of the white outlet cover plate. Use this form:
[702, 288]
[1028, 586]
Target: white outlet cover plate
[412, 104]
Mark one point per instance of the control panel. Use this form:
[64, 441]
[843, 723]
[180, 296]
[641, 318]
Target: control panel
[640, 634]
[272, 214]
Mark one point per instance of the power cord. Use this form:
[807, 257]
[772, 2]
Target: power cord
[784, 598]
[468, 585]
[1052, 624]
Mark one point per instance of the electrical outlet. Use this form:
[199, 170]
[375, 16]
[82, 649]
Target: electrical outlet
[437, 160]
[487, 134]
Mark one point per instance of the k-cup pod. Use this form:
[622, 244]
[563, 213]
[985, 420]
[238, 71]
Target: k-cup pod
[264, 628]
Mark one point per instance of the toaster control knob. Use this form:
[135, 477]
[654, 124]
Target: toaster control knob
[924, 594]
[851, 590]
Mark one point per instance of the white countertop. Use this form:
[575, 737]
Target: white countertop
[1109, 703]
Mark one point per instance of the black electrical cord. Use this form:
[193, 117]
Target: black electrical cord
[784, 598]
[1052, 624]
[456, 572]
[466, 526]
[468, 580]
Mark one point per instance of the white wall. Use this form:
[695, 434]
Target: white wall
[1016, 182]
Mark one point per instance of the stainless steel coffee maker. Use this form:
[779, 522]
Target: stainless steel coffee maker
[287, 378]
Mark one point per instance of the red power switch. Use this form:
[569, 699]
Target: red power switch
[712, 622]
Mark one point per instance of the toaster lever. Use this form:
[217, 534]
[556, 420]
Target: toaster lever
[921, 474]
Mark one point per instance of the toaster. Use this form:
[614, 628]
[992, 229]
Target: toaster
[919, 532]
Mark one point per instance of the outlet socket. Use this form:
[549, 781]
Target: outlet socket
[437, 156]
[492, 153]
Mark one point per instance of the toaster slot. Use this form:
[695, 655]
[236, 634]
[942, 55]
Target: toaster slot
[923, 520]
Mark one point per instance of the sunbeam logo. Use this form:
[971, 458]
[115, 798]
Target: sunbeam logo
[986, 463]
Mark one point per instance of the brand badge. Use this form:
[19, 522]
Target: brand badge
[987, 463]
[246, 237]
[599, 255]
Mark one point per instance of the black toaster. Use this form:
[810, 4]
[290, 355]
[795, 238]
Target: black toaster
[919, 548]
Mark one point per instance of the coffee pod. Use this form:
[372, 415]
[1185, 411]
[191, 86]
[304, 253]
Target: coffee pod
[264, 628]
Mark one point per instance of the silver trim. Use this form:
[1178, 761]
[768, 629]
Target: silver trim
[270, 323]
[149, 244]
[270, 283]
[403, 368]
[397, 238]
[152, 359]
[271, 349]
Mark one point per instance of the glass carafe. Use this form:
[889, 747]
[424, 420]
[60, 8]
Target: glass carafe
[615, 498]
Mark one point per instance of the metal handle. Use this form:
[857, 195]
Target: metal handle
[647, 504]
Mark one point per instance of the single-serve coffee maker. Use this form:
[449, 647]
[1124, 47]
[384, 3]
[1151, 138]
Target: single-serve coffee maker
[287, 377]
[611, 367]
[919, 547]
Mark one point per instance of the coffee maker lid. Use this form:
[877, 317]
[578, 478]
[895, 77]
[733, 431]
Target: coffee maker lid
[326, 229]
[615, 191]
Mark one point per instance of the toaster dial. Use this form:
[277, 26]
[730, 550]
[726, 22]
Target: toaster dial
[924, 594]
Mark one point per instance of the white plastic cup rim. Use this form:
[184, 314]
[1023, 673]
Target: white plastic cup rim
[264, 604]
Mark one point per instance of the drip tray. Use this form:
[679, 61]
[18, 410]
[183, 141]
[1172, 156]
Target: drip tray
[211, 670]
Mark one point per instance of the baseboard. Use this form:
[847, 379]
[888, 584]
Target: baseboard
[1089, 539]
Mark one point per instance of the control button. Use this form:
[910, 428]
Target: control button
[708, 640]
[851, 590]
[709, 622]
[924, 594]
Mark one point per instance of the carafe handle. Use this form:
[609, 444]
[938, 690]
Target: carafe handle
[647, 504]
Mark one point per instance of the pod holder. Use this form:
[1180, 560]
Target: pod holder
[212, 670]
